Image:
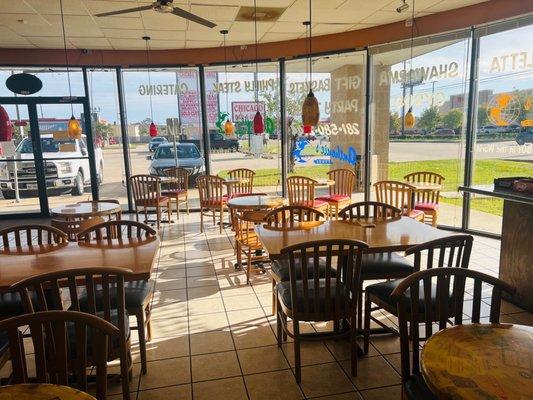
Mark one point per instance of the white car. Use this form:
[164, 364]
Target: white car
[71, 174]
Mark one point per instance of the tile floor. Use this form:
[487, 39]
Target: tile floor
[214, 337]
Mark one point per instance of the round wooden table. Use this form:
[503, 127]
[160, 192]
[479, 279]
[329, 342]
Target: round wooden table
[85, 210]
[480, 361]
[426, 186]
[42, 391]
[260, 202]
[324, 182]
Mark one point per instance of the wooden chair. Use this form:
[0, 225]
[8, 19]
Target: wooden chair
[73, 228]
[59, 355]
[138, 293]
[212, 198]
[340, 194]
[246, 185]
[246, 240]
[399, 195]
[86, 282]
[427, 201]
[146, 191]
[289, 218]
[331, 297]
[375, 266]
[178, 188]
[18, 236]
[452, 251]
[301, 191]
[117, 215]
[417, 314]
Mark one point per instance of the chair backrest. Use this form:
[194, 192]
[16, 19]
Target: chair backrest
[334, 268]
[289, 217]
[54, 359]
[73, 228]
[425, 196]
[180, 177]
[146, 189]
[449, 286]
[243, 225]
[370, 210]
[210, 189]
[396, 194]
[122, 229]
[246, 185]
[450, 251]
[344, 182]
[31, 235]
[301, 190]
[117, 215]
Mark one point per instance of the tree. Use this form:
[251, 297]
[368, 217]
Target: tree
[453, 119]
[482, 116]
[144, 126]
[103, 130]
[395, 122]
[430, 119]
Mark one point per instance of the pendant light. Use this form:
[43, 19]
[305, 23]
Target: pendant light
[409, 119]
[73, 127]
[229, 128]
[310, 110]
[153, 127]
[259, 125]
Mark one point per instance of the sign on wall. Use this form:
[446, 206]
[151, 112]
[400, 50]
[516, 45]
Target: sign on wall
[245, 110]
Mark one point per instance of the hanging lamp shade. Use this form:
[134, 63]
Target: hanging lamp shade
[153, 130]
[310, 111]
[409, 119]
[308, 129]
[259, 125]
[229, 128]
[6, 130]
[74, 128]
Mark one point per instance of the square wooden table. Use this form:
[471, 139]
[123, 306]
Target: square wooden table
[393, 235]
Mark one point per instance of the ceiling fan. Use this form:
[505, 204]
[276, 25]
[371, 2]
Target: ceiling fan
[163, 6]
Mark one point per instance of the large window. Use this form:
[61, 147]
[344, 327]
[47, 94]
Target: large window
[234, 94]
[432, 79]
[504, 134]
[338, 82]
[175, 110]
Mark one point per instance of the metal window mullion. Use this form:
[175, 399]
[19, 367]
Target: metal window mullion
[283, 125]
[368, 111]
[471, 125]
[90, 138]
[38, 158]
[124, 134]
[205, 128]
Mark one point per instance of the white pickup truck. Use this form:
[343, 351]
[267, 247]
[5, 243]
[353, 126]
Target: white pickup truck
[71, 174]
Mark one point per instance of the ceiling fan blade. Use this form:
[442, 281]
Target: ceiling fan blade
[126, 11]
[191, 17]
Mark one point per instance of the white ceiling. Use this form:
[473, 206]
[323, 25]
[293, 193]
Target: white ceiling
[37, 23]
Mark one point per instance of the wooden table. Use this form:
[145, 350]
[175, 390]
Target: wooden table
[425, 186]
[135, 254]
[85, 210]
[480, 361]
[259, 202]
[42, 391]
[393, 235]
[324, 182]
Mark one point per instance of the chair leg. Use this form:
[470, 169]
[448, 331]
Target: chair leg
[297, 360]
[221, 218]
[360, 307]
[434, 218]
[148, 320]
[169, 210]
[125, 364]
[368, 306]
[177, 208]
[158, 210]
[274, 296]
[353, 346]
[279, 327]
[249, 265]
[142, 338]
[201, 220]
[284, 316]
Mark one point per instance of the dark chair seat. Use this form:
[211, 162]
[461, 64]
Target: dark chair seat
[383, 264]
[281, 269]
[416, 389]
[71, 331]
[11, 303]
[284, 292]
[135, 293]
[383, 291]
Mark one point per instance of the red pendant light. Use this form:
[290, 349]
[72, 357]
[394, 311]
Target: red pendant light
[308, 129]
[259, 125]
[153, 130]
[6, 130]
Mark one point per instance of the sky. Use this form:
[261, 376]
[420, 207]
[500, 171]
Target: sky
[504, 76]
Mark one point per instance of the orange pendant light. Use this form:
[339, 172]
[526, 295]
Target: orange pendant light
[310, 110]
[409, 119]
[229, 128]
[74, 128]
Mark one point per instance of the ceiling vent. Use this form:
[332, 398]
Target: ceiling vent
[264, 14]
